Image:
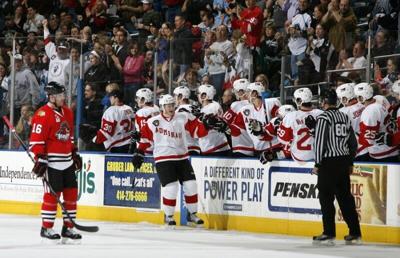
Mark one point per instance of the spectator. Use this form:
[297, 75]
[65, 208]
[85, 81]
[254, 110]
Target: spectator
[182, 44]
[298, 27]
[133, 73]
[163, 43]
[381, 47]
[190, 80]
[387, 81]
[341, 23]
[98, 72]
[148, 69]
[121, 45]
[319, 12]
[3, 96]
[357, 61]
[174, 8]
[250, 23]
[112, 62]
[290, 7]
[76, 69]
[26, 87]
[150, 16]
[217, 57]
[227, 99]
[33, 21]
[23, 127]
[105, 101]
[19, 19]
[263, 79]
[208, 22]
[385, 15]
[97, 17]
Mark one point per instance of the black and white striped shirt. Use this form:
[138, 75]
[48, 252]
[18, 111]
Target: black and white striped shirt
[334, 136]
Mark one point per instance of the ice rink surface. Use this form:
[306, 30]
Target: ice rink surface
[20, 239]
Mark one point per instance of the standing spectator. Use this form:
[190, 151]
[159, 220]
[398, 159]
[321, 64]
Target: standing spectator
[290, 7]
[341, 23]
[121, 46]
[19, 19]
[34, 20]
[250, 23]
[208, 22]
[217, 57]
[174, 8]
[98, 72]
[98, 17]
[148, 69]
[382, 46]
[182, 44]
[23, 127]
[150, 16]
[112, 62]
[26, 87]
[299, 25]
[319, 12]
[76, 68]
[133, 73]
[163, 43]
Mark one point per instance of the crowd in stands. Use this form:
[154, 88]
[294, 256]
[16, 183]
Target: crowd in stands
[113, 43]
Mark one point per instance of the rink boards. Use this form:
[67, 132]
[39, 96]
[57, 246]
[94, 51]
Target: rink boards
[234, 194]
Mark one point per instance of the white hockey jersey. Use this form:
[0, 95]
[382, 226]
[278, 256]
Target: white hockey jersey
[116, 127]
[168, 136]
[293, 131]
[193, 143]
[141, 117]
[242, 142]
[354, 112]
[57, 65]
[375, 119]
[214, 141]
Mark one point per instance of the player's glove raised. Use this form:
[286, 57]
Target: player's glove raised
[41, 165]
[310, 122]
[209, 120]
[77, 160]
[138, 158]
[256, 127]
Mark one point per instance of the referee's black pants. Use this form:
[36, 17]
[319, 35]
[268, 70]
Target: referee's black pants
[334, 181]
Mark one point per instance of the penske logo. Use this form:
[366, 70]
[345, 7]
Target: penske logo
[296, 190]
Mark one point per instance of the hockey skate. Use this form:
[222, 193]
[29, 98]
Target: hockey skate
[352, 240]
[324, 240]
[194, 221]
[170, 222]
[69, 236]
[49, 236]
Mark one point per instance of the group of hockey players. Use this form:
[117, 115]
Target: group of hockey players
[177, 128]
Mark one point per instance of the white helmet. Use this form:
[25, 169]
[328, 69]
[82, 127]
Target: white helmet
[166, 99]
[208, 89]
[363, 91]
[240, 84]
[302, 96]
[182, 90]
[396, 87]
[284, 110]
[383, 101]
[145, 94]
[345, 92]
[256, 86]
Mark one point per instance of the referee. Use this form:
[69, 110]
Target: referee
[335, 147]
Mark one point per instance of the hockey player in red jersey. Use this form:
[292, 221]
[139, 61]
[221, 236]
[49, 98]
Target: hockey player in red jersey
[242, 145]
[52, 142]
[116, 126]
[166, 132]
[374, 120]
[294, 129]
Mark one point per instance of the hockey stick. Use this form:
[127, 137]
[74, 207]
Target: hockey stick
[77, 226]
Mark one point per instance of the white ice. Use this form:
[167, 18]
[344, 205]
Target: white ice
[19, 238]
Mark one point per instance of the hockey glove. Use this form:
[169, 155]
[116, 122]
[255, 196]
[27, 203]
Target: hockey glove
[41, 165]
[222, 127]
[267, 156]
[77, 160]
[209, 121]
[256, 127]
[384, 138]
[87, 132]
[138, 158]
[277, 123]
[310, 123]
[195, 110]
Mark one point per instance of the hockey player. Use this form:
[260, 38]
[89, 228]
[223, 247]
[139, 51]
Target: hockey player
[352, 108]
[58, 56]
[374, 120]
[215, 143]
[182, 96]
[293, 129]
[393, 139]
[116, 126]
[242, 145]
[270, 133]
[147, 109]
[166, 132]
[255, 112]
[57, 159]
